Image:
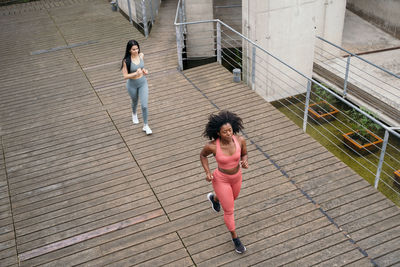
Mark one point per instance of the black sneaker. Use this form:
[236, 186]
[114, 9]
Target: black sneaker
[214, 204]
[239, 247]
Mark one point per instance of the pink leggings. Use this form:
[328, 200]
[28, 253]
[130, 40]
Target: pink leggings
[227, 188]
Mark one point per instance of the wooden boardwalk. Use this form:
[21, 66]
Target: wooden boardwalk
[81, 185]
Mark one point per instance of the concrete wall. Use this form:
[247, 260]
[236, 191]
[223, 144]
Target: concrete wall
[287, 29]
[136, 9]
[200, 37]
[329, 22]
[123, 6]
[200, 41]
[230, 12]
[383, 13]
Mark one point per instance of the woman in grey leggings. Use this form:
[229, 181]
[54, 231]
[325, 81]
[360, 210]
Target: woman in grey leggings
[134, 72]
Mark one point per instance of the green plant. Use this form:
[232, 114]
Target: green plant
[362, 124]
[321, 94]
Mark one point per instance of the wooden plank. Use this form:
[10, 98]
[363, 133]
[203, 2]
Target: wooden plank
[147, 251]
[374, 228]
[351, 258]
[88, 235]
[252, 233]
[343, 195]
[355, 207]
[9, 262]
[121, 204]
[283, 205]
[268, 246]
[113, 153]
[60, 159]
[337, 184]
[323, 254]
[74, 187]
[373, 223]
[382, 237]
[8, 249]
[72, 171]
[391, 258]
[331, 173]
[105, 168]
[304, 251]
[88, 249]
[179, 210]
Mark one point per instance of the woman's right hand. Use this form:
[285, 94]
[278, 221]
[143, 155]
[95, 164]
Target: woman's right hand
[209, 177]
[139, 72]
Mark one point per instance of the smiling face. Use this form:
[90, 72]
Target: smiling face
[226, 132]
[134, 51]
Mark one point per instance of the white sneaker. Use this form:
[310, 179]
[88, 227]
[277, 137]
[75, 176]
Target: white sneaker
[147, 129]
[135, 119]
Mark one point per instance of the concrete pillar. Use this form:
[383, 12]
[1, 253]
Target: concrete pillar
[200, 37]
[287, 30]
[329, 20]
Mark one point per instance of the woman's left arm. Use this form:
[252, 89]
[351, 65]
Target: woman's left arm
[243, 154]
[145, 71]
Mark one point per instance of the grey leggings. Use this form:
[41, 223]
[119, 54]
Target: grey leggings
[138, 88]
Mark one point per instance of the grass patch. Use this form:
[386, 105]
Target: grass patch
[330, 136]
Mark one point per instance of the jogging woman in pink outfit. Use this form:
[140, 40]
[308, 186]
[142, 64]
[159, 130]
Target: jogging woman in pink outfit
[230, 152]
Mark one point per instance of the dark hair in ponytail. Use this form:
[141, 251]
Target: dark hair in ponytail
[127, 57]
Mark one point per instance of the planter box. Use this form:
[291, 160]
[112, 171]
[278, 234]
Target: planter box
[362, 149]
[397, 177]
[325, 116]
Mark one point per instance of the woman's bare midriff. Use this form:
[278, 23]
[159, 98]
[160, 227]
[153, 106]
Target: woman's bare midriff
[230, 171]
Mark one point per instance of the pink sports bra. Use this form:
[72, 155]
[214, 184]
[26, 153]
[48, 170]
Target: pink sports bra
[227, 162]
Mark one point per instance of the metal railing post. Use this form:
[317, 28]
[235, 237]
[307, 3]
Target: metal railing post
[360, 58]
[253, 68]
[184, 15]
[151, 13]
[381, 158]
[117, 5]
[130, 11]
[307, 105]
[179, 47]
[338, 96]
[145, 26]
[219, 42]
[181, 19]
[346, 76]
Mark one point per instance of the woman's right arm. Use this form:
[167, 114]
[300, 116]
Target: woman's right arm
[207, 150]
[130, 75]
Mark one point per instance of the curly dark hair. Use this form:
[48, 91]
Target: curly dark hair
[215, 122]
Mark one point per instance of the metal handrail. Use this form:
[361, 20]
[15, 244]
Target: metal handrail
[390, 129]
[180, 25]
[176, 13]
[363, 59]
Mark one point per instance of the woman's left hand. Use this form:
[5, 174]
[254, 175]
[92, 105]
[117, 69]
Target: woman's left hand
[244, 164]
[145, 71]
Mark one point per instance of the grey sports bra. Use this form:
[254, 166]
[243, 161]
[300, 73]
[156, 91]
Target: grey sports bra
[135, 67]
